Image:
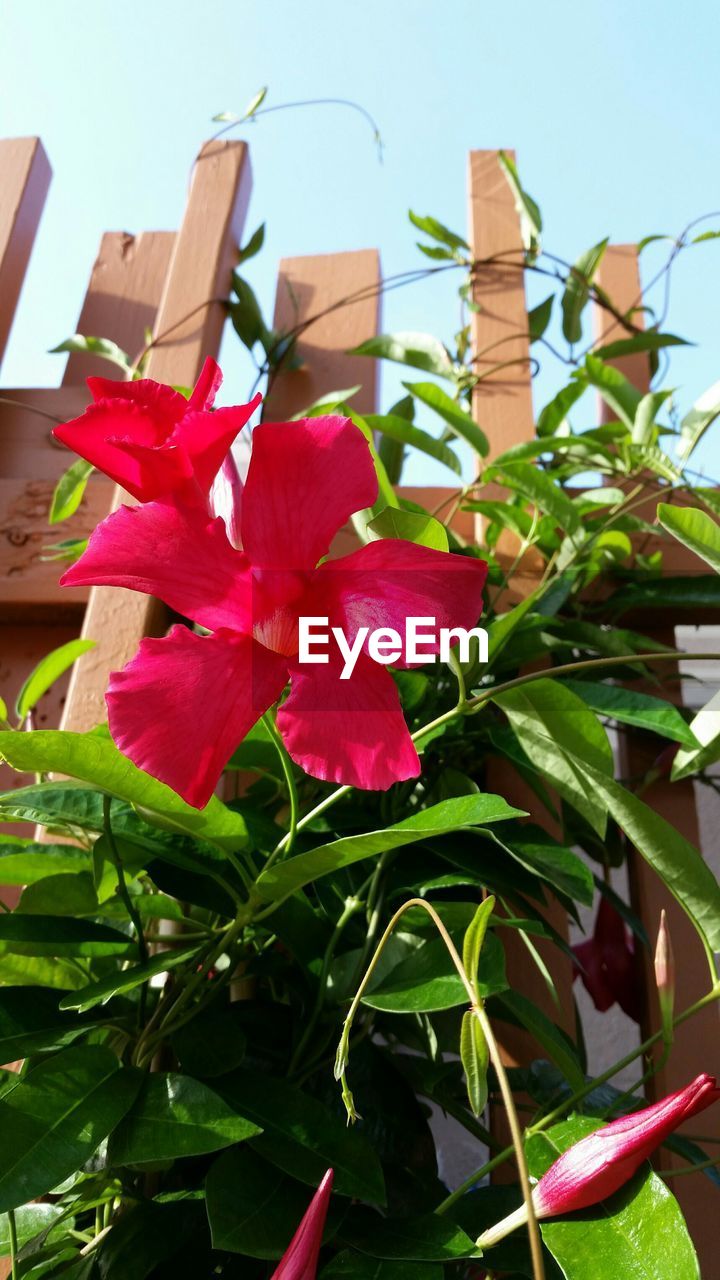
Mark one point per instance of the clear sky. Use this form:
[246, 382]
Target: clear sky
[613, 111]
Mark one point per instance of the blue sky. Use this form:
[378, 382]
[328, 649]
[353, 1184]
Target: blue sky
[612, 110]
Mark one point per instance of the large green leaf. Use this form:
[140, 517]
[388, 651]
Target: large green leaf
[543, 492]
[302, 1137]
[629, 707]
[23, 862]
[462, 811]
[123, 980]
[577, 290]
[56, 1116]
[554, 862]
[30, 1220]
[42, 935]
[94, 758]
[428, 1238]
[695, 423]
[559, 733]
[420, 350]
[31, 1020]
[692, 592]
[617, 392]
[677, 862]
[426, 980]
[176, 1116]
[47, 671]
[252, 1207]
[637, 1234]
[459, 421]
[695, 528]
[413, 526]
[706, 728]
[405, 432]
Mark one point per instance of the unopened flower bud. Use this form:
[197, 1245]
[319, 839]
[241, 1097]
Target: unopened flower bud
[300, 1260]
[665, 977]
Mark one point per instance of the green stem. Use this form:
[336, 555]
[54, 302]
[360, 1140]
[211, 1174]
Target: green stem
[692, 1168]
[122, 883]
[288, 841]
[352, 906]
[12, 1226]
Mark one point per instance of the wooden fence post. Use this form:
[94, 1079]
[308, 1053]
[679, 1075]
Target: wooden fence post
[26, 178]
[188, 328]
[696, 1047]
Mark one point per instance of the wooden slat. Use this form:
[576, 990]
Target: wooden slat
[503, 399]
[24, 181]
[121, 302]
[696, 1047]
[314, 286]
[188, 327]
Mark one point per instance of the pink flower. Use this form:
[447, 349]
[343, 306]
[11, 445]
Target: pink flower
[598, 1165]
[153, 441]
[183, 704]
[299, 1262]
[607, 965]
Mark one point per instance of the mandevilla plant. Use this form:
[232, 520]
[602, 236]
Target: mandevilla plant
[196, 993]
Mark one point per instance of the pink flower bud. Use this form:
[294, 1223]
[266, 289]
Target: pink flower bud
[299, 1262]
[665, 975]
[598, 1165]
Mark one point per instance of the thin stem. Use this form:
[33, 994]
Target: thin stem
[287, 843]
[495, 1056]
[315, 813]
[12, 1227]
[692, 1168]
[352, 906]
[122, 883]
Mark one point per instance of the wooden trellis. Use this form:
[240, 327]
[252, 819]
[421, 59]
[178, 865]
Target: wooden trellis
[173, 282]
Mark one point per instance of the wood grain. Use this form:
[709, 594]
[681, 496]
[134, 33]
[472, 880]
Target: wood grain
[26, 175]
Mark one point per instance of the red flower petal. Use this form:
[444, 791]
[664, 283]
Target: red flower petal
[207, 385]
[97, 433]
[181, 557]
[305, 480]
[206, 438]
[300, 1260]
[386, 582]
[184, 702]
[348, 731]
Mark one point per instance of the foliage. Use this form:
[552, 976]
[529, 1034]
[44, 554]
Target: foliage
[177, 982]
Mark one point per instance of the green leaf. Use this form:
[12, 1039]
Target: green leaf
[95, 759]
[450, 411]
[94, 993]
[412, 526]
[399, 429]
[302, 1137]
[419, 350]
[543, 492]
[438, 231]
[69, 490]
[649, 340]
[689, 591]
[644, 426]
[706, 728]
[326, 403]
[556, 411]
[56, 1116]
[530, 217]
[629, 707]
[30, 1221]
[559, 866]
[695, 423]
[475, 937]
[428, 1238]
[176, 1116]
[560, 734]
[252, 1208]
[63, 895]
[43, 935]
[48, 670]
[246, 316]
[557, 1045]
[577, 290]
[253, 246]
[354, 1266]
[31, 1021]
[255, 103]
[617, 392]
[285, 877]
[695, 529]
[426, 980]
[23, 862]
[475, 1058]
[101, 347]
[539, 318]
[677, 862]
[637, 1234]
